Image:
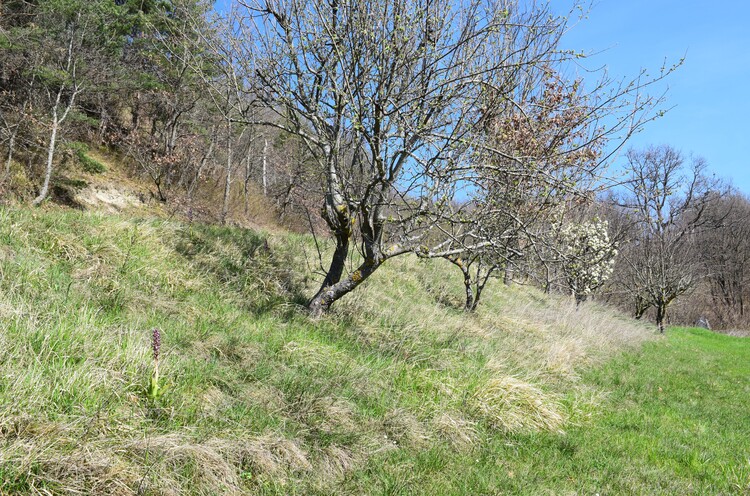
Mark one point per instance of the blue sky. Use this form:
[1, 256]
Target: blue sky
[709, 92]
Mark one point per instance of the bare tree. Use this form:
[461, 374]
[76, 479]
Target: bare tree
[62, 90]
[724, 251]
[666, 199]
[387, 97]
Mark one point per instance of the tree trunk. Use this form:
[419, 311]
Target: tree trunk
[477, 296]
[338, 217]
[265, 172]
[102, 125]
[196, 178]
[580, 298]
[327, 295]
[333, 276]
[172, 139]
[661, 313]
[470, 305]
[508, 274]
[228, 181]
[246, 186]
[640, 307]
[50, 153]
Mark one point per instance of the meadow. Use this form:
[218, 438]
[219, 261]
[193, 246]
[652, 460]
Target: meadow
[397, 391]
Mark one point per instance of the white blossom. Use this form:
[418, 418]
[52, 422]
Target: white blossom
[588, 256]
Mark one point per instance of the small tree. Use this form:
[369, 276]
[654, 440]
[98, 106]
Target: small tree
[62, 82]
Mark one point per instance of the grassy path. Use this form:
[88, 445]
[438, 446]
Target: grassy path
[676, 421]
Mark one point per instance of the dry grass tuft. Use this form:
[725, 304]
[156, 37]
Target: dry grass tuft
[512, 405]
[265, 396]
[336, 462]
[402, 428]
[218, 464]
[458, 431]
[270, 454]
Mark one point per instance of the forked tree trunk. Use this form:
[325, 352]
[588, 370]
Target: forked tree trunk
[640, 307]
[479, 284]
[472, 286]
[338, 217]
[323, 300]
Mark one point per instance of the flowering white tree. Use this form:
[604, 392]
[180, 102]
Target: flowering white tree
[588, 257]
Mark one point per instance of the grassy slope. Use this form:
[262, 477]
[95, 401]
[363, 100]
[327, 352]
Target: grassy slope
[398, 392]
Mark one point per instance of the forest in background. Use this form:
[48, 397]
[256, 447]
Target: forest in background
[410, 127]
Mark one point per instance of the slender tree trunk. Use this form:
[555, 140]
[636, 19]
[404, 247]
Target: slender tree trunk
[661, 313]
[265, 171]
[196, 178]
[477, 296]
[508, 274]
[57, 120]
[469, 304]
[246, 186]
[174, 125]
[480, 283]
[102, 125]
[228, 181]
[640, 307]
[742, 304]
[50, 152]
[317, 304]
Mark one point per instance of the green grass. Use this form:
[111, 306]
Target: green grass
[397, 392]
[675, 421]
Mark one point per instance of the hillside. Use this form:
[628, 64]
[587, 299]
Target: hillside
[398, 391]
[177, 179]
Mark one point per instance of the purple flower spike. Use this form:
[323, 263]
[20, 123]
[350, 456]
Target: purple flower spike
[156, 343]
